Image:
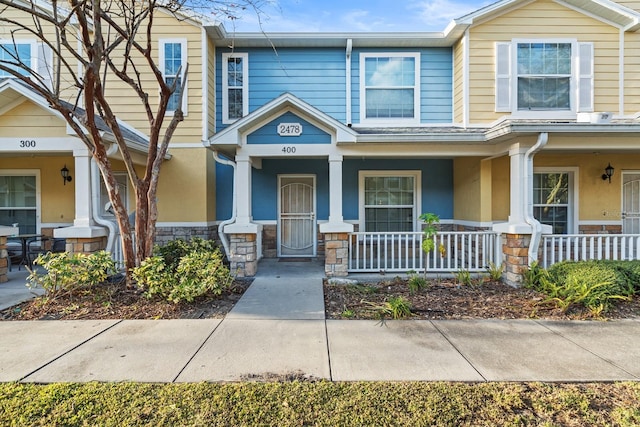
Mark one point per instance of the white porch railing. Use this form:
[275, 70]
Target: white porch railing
[402, 251]
[582, 247]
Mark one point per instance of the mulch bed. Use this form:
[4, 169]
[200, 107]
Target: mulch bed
[116, 301]
[442, 299]
[445, 299]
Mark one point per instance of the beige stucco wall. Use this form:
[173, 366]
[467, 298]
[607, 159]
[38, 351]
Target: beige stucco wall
[472, 189]
[56, 199]
[542, 19]
[182, 192]
[501, 170]
[597, 199]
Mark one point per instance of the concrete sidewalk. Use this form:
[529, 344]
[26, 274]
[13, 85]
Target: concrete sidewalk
[278, 327]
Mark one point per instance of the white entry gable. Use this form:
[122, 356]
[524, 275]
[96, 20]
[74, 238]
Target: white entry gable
[234, 136]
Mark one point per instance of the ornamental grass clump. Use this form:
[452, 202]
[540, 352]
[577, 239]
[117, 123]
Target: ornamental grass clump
[182, 271]
[595, 285]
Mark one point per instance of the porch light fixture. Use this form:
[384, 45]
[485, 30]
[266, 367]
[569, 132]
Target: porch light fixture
[65, 175]
[608, 173]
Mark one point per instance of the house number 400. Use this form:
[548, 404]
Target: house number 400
[288, 150]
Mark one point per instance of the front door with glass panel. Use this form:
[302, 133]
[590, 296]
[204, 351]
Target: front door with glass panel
[296, 216]
[631, 202]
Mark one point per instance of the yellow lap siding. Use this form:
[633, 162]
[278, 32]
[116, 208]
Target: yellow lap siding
[540, 19]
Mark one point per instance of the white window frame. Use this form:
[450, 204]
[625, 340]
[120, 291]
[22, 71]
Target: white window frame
[573, 202]
[183, 59]
[417, 192]
[225, 85]
[416, 90]
[29, 172]
[41, 58]
[581, 79]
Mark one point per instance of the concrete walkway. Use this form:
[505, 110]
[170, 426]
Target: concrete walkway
[278, 327]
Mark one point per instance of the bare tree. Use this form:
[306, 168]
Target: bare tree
[116, 39]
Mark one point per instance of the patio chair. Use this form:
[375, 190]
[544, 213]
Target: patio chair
[43, 245]
[14, 252]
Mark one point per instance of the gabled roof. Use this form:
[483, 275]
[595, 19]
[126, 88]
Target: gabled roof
[610, 11]
[13, 91]
[232, 135]
[606, 10]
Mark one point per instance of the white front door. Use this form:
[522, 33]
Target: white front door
[631, 202]
[297, 215]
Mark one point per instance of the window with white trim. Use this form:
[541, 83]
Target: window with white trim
[25, 55]
[389, 87]
[235, 86]
[19, 201]
[389, 200]
[173, 60]
[534, 76]
[553, 200]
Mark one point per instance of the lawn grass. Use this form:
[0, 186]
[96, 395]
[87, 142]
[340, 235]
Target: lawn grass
[320, 403]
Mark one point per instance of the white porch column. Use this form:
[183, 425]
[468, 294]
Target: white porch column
[243, 191]
[82, 183]
[518, 190]
[336, 222]
[83, 224]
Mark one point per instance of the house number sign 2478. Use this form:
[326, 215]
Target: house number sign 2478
[289, 129]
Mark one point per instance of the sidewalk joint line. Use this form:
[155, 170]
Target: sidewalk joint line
[70, 350]
[444, 335]
[197, 350]
[326, 335]
[610, 362]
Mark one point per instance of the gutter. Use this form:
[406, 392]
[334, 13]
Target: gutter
[536, 227]
[348, 79]
[95, 200]
[223, 237]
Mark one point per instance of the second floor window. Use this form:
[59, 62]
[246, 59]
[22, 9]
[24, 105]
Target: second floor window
[173, 58]
[389, 87]
[544, 76]
[537, 76]
[235, 86]
[11, 53]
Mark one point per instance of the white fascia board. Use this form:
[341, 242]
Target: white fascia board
[232, 135]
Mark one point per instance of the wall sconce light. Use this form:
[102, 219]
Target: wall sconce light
[608, 173]
[65, 175]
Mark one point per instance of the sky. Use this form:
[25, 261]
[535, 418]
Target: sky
[354, 15]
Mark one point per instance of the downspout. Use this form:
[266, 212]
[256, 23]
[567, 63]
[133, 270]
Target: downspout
[95, 200]
[536, 227]
[348, 80]
[223, 237]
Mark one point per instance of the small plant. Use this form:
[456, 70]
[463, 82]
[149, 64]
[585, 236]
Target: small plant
[532, 275]
[495, 272]
[463, 277]
[394, 307]
[69, 272]
[416, 283]
[348, 313]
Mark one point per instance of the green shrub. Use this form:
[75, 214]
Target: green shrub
[69, 272]
[182, 271]
[463, 277]
[592, 284]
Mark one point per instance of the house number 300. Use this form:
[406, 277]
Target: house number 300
[27, 143]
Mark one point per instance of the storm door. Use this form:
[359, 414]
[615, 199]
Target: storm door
[296, 216]
[631, 202]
